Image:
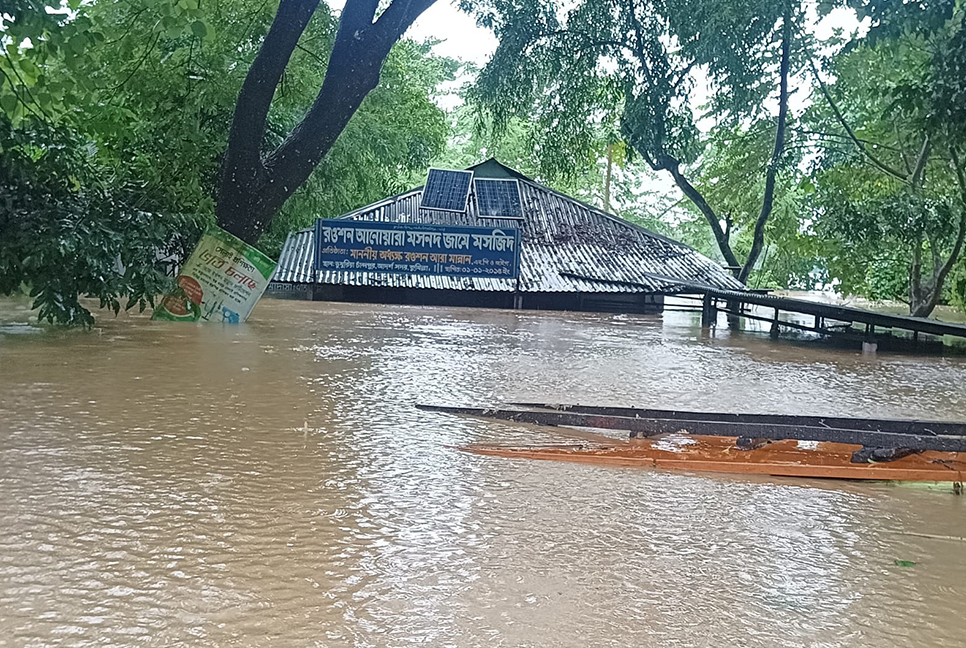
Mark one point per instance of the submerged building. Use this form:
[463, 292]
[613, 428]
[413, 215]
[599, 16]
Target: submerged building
[572, 256]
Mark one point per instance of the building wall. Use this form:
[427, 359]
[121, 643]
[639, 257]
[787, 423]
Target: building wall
[644, 303]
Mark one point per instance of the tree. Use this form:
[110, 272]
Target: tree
[732, 175]
[519, 144]
[253, 185]
[637, 59]
[69, 231]
[125, 138]
[891, 196]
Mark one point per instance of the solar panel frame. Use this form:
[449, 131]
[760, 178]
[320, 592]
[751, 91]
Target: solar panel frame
[451, 207]
[480, 205]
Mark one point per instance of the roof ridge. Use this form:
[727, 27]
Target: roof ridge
[613, 217]
[593, 208]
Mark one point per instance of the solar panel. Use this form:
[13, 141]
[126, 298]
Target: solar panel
[446, 190]
[498, 198]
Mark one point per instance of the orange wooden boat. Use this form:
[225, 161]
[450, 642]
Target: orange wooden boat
[702, 453]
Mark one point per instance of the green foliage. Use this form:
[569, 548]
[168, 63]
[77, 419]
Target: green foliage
[70, 231]
[137, 98]
[870, 239]
[386, 148]
[628, 61]
[114, 118]
[957, 287]
[946, 85]
[889, 213]
[632, 68]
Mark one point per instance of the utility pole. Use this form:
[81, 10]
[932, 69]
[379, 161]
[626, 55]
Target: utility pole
[607, 174]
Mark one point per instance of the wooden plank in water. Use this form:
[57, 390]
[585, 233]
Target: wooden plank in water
[653, 426]
[897, 426]
[778, 460]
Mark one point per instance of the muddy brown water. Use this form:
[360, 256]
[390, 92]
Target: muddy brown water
[165, 484]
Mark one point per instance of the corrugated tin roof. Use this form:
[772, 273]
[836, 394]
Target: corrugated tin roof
[566, 246]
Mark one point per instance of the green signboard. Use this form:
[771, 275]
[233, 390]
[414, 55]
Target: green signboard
[222, 281]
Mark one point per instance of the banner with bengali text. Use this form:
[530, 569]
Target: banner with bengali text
[416, 248]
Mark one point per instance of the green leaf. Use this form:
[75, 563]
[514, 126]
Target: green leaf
[44, 101]
[29, 68]
[8, 103]
[905, 563]
[199, 29]
[77, 44]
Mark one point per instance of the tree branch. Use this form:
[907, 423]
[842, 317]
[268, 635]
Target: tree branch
[918, 174]
[805, 131]
[398, 16]
[768, 200]
[258, 90]
[672, 166]
[901, 151]
[841, 119]
[137, 66]
[352, 72]
[23, 102]
[312, 54]
[961, 232]
[242, 172]
[44, 117]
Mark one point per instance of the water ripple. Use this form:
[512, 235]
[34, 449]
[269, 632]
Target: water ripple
[165, 484]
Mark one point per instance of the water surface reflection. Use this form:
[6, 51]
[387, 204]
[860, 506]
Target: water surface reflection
[166, 484]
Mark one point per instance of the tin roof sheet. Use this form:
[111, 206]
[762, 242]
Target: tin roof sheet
[566, 246]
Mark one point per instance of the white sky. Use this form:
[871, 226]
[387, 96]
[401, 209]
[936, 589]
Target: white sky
[462, 38]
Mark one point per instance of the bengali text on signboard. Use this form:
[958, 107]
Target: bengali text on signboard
[416, 248]
[221, 281]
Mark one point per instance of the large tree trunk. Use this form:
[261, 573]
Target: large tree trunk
[925, 304]
[253, 186]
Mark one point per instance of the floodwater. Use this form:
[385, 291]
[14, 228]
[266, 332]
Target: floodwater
[167, 484]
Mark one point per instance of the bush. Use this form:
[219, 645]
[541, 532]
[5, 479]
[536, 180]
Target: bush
[68, 229]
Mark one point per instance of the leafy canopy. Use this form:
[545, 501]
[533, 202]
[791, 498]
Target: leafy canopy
[120, 112]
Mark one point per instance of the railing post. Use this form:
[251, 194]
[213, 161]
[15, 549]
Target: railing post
[709, 312]
[869, 345]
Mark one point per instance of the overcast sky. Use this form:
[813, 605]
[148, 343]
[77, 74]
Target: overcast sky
[462, 39]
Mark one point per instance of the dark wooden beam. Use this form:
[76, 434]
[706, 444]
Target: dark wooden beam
[898, 426]
[657, 426]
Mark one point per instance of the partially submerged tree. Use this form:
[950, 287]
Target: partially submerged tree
[731, 176]
[571, 65]
[891, 179]
[113, 123]
[255, 183]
